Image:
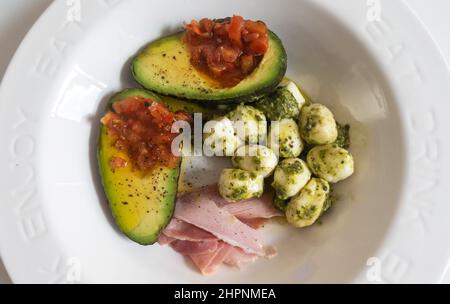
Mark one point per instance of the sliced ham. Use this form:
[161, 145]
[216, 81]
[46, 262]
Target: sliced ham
[253, 208]
[208, 263]
[211, 231]
[238, 258]
[188, 247]
[202, 212]
[165, 240]
[181, 230]
[255, 223]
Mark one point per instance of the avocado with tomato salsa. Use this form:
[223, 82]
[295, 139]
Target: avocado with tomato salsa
[223, 61]
[138, 171]
[172, 103]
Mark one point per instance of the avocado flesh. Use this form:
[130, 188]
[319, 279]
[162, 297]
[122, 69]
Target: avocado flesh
[142, 205]
[164, 67]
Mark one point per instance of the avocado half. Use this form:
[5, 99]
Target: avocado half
[164, 67]
[142, 205]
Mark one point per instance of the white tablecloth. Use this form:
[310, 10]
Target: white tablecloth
[17, 16]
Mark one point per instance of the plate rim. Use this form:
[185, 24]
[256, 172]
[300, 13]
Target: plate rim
[43, 24]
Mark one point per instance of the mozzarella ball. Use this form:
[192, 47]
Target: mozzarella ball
[292, 88]
[290, 176]
[330, 162]
[236, 185]
[250, 124]
[254, 158]
[317, 125]
[220, 138]
[284, 138]
[304, 209]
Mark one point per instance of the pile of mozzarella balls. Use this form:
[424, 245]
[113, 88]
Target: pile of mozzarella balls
[302, 186]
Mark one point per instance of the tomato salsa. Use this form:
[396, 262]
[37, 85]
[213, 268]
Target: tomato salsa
[227, 50]
[141, 128]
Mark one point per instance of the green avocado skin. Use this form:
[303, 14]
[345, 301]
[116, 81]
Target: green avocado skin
[132, 93]
[152, 68]
[142, 205]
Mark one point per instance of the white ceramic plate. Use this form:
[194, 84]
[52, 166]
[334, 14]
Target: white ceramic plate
[386, 78]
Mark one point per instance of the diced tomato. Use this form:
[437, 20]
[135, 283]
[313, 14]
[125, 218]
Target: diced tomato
[129, 105]
[212, 56]
[117, 163]
[142, 128]
[220, 30]
[249, 37]
[229, 54]
[228, 50]
[234, 32]
[196, 53]
[217, 69]
[194, 27]
[159, 113]
[259, 46]
[183, 116]
[138, 128]
[206, 25]
[108, 118]
[246, 64]
[256, 27]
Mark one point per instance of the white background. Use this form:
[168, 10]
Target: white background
[17, 16]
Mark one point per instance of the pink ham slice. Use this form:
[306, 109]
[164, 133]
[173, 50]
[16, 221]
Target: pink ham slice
[165, 240]
[181, 230]
[255, 223]
[204, 213]
[254, 208]
[188, 247]
[248, 209]
[211, 231]
[238, 258]
[208, 263]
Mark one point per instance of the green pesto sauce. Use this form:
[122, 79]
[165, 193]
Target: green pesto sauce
[279, 191]
[247, 113]
[292, 168]
[307, 212]
[343, 139]
[323, 154]
[278, 105]
[257, 160]
[310, 124]
[253, 175]
[330, 200]
[241, 175]
[239, 193]
[238, 159]
[258, 194]
[279, 203]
